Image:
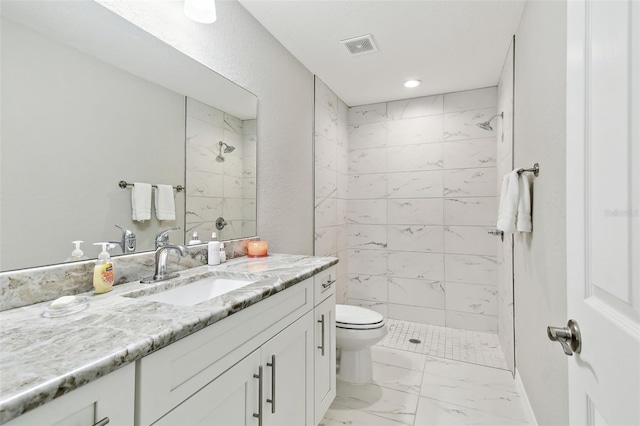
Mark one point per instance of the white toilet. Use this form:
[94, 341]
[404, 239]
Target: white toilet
[357, 329]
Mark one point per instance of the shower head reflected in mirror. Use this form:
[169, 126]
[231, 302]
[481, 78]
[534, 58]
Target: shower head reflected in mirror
[227, 150]
[486, 125]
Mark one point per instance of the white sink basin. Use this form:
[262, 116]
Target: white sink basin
[198, 291]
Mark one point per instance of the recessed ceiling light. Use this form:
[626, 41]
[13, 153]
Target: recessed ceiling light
[412, 83]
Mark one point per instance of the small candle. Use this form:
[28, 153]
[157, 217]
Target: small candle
[257, 248]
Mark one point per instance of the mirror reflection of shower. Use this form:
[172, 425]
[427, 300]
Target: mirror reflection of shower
[227, 150]
[487, 124]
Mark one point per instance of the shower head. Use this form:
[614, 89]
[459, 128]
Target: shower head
[486, 125]
[228, 148]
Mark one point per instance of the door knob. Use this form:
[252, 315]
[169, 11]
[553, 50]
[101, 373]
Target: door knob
[569, 337]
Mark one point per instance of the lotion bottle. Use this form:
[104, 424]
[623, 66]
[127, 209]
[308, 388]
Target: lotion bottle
[103, 272]
[213, 251]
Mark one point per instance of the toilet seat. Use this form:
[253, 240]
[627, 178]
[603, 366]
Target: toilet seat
[357, 318]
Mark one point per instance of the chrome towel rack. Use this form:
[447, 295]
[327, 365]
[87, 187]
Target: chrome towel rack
[123, 184]
[535, 170]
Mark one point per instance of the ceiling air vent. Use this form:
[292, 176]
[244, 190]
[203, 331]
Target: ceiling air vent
[360, 45]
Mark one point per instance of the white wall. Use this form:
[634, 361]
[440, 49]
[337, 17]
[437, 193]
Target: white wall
[60, 148]
[540, 258]
[422, 197]
[239, 48]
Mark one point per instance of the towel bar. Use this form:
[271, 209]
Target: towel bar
[123, 184]
[535, 169]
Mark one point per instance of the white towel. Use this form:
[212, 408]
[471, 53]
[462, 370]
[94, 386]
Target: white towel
[508, 203]
[165, 205]
[524, 205]
[141, 201]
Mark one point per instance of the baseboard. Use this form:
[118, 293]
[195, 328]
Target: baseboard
[526, 405]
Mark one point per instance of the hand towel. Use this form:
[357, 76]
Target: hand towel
[508, 203]
[141, 201]
[165, 205]
[524, 205]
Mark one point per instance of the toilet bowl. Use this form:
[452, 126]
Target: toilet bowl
[357, 329]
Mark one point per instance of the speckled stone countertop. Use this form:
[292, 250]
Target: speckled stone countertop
[43, 358]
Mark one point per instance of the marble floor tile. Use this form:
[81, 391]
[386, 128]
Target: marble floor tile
[398, 358]
[337, 417]
[392, 377]
[487, 397]
[377, 400]
[432, 412]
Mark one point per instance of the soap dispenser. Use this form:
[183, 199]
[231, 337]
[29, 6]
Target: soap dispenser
[103, 272]
[194, 239]
[213, 251]
[77, 254]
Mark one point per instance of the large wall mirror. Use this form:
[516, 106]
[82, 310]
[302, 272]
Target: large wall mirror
[89, 100]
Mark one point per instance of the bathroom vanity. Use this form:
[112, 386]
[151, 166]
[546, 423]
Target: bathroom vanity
[263, 354]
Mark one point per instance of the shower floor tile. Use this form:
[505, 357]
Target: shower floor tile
[474, 347]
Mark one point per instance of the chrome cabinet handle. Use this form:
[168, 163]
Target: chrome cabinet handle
[272, 401]
[259, 414]
[321, 321]
[102, 422]
[497, 232]
[328, 283]
[569, 337]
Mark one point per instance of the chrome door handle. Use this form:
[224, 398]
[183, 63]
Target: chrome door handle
[259, 414]
[321, 347]
[569, 337]
[272, 401]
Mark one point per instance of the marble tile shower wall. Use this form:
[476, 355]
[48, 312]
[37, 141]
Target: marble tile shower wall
[219, 189]
[331, 176]
[422, 197]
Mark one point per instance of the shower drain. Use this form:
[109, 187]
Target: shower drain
[416, 341]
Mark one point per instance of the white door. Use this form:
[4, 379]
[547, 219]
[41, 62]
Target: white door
[603, 209]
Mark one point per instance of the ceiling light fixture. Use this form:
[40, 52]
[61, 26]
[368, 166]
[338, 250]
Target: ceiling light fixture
[412, 83]
[202, 11]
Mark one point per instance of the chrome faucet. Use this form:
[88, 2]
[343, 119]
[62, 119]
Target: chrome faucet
[128, 242]
[160, 269]
[162, 238]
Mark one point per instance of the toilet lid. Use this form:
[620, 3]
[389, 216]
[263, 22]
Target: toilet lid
[355, 317]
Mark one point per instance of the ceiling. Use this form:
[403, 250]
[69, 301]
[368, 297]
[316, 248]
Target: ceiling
[450, 45]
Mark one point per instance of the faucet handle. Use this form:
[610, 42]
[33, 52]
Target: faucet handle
[163, 236]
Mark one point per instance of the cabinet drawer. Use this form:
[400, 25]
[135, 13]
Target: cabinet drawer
[324, 284]
[110, 397]
[174, 373]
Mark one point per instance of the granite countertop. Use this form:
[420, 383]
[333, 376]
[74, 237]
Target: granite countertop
[42, 358]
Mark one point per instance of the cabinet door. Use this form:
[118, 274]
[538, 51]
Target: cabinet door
[288, 365]
[325, 356]
[229, 400]
[108, 399]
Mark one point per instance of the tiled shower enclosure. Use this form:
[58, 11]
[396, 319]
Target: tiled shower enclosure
[417, 205]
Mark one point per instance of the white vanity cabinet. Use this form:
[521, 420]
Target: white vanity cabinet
[108, 400]
[325, 342]
[217, 375]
